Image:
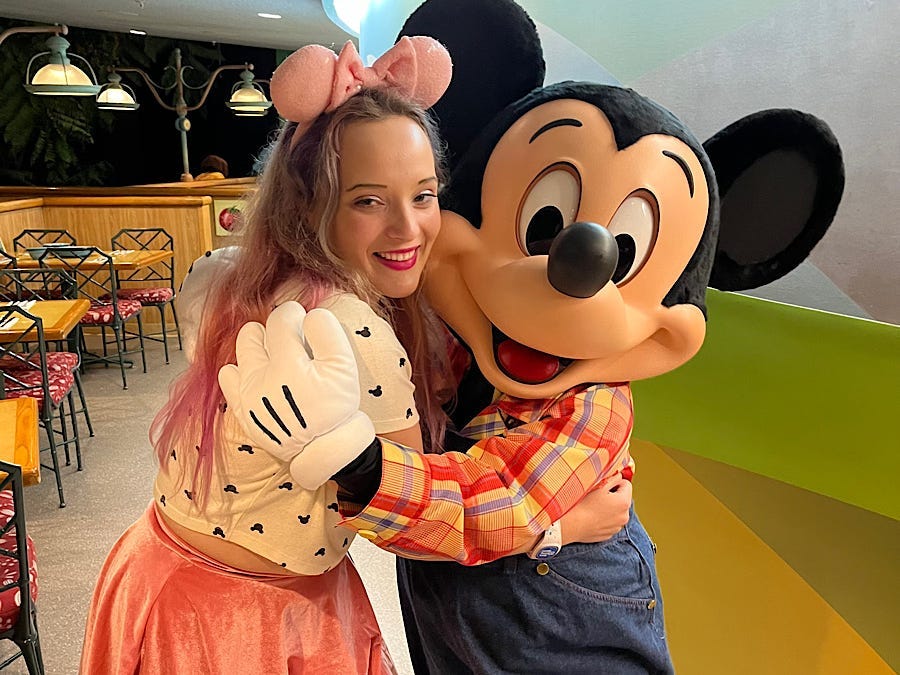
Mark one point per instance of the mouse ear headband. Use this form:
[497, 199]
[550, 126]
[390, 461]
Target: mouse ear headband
[314, 80]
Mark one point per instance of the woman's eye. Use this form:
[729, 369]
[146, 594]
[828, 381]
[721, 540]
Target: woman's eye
[366, 201]
[425, 197]
[551, 204]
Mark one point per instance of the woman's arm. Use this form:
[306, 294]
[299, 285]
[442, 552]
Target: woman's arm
[411, 437]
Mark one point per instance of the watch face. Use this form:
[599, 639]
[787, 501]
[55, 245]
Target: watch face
[547, 552]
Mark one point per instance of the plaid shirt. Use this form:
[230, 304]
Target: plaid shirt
[533, 461]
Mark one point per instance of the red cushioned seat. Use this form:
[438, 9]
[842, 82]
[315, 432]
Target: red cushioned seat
[56, 361]
[103, 314]
[147, 296]
[59, 383]
[10, 599]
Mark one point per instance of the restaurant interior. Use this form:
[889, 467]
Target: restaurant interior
[108, 193]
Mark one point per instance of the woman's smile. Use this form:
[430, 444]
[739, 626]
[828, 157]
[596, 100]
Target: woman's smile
[402, 259]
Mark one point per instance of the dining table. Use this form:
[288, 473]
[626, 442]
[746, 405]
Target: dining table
[19, 440]
[121, 260]
[59, 317]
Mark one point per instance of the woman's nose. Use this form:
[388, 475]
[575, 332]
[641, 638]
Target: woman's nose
[402, 223]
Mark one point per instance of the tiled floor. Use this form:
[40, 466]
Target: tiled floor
[109, 495]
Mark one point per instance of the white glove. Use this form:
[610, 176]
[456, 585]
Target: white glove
[299, 402]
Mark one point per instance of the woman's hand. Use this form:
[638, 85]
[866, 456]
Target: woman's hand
[599, 515]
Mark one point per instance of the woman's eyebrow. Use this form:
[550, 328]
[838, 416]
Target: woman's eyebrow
[366, 185]
[564, 122]
[684, 167]
[379, 185]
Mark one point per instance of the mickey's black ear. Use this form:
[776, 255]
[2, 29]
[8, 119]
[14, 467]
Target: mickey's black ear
[780, 176]
[497, 59]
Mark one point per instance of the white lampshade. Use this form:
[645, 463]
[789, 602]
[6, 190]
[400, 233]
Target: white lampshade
[59, 74]
[60, 77]
[247, 98]
[114, 96]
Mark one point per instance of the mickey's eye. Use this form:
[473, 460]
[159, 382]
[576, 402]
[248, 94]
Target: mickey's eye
[635, 227]
[550, 205]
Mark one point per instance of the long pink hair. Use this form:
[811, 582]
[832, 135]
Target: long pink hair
[286, 243]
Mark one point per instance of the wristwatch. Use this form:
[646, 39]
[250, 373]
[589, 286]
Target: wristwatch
[549, 545]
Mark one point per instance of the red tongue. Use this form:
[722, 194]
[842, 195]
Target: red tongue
[526, 364]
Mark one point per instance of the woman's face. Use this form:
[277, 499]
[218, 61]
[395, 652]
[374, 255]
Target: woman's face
[388, 214]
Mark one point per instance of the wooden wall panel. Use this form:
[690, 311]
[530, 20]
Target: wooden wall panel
[15, 216]
[93, 221]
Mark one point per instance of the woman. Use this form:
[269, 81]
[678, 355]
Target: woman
[234, 563]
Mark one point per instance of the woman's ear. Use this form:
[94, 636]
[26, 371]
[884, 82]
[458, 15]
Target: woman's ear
[781, 176]
[497, 59]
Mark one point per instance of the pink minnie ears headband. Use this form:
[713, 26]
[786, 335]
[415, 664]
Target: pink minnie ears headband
[314, 80]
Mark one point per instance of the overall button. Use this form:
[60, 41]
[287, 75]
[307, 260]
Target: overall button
[651, 604]
[542, 569]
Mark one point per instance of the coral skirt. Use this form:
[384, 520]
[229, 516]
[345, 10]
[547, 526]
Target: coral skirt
[164, 608]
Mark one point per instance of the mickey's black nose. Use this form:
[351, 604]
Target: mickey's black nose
[583, 258]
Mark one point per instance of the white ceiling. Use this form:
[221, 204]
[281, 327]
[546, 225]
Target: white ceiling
[228, 21]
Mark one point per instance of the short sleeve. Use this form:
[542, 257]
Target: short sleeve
[385, 374]
[192, 295]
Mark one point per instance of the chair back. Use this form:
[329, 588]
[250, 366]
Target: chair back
[13, 483]
[32, 238]
[35, 284]
[90, 268]
[147, 239]
[7, 260]
[12, 517]
[23, 359]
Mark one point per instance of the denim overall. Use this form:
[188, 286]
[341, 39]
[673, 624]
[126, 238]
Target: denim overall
[591, 609]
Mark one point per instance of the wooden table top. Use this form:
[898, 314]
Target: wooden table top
[122, 260]
[21, 447]
[59, 318]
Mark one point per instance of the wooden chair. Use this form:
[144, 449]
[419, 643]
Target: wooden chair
[23, 362]
[18, 574]
[152, 286]
[33, 238]
[98, 284]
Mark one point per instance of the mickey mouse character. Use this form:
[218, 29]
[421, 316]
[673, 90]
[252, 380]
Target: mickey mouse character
[582, 225]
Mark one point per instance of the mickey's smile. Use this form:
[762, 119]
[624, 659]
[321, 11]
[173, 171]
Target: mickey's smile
[524, 364]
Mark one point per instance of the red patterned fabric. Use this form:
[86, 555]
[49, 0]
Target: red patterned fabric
[147, 296]
[56, 362]
[104, 314]
[534, 460]
[59, 383]
[11, 599]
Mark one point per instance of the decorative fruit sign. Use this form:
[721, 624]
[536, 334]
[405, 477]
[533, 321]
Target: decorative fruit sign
[228, 218]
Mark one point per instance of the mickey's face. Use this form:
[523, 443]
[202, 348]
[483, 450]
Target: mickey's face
[579, 243]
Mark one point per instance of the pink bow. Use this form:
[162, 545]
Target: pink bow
[314, 79]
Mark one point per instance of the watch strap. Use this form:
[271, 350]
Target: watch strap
[549, 545]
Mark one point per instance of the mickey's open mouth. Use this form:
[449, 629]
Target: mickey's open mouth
[524, 364]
